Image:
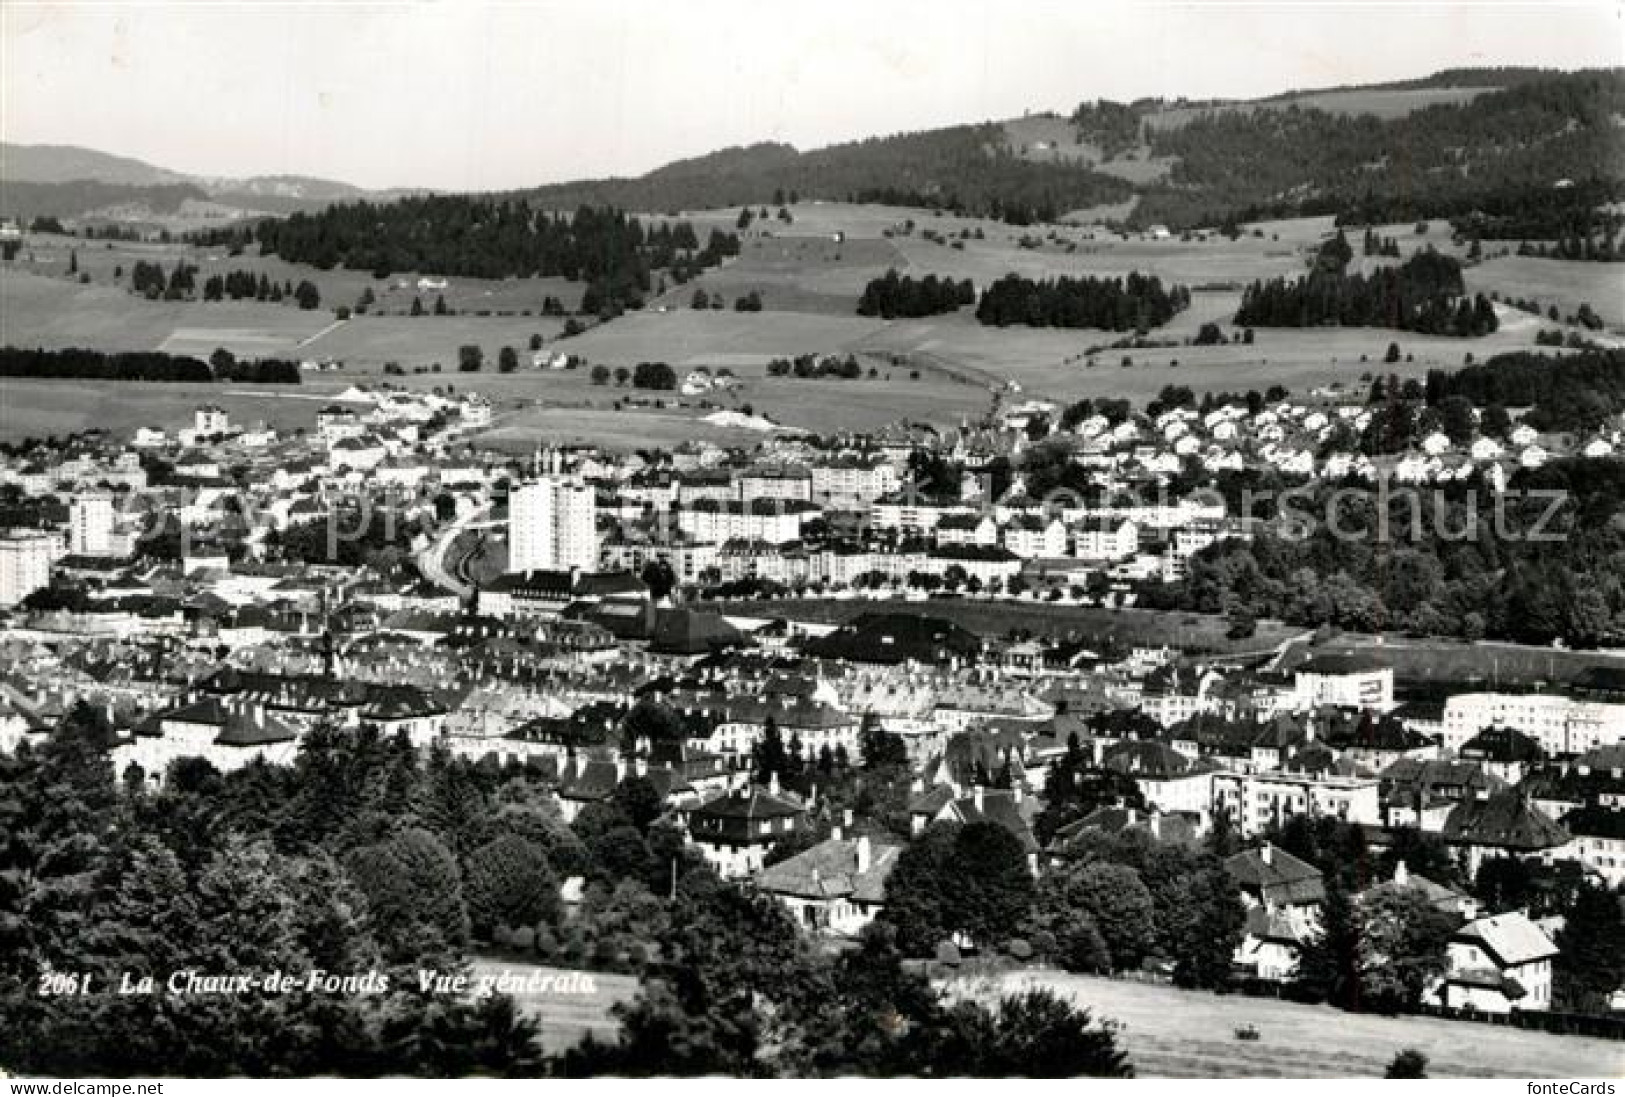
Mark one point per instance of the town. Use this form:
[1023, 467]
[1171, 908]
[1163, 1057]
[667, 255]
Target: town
[571, 541]
[637, 635]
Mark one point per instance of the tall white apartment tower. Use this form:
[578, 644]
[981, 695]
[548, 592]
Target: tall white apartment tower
[25, 563]
[90, 525]
[552, 525]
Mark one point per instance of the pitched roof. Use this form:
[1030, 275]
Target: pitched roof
[1511, 938]
[1504, 820]
[1276, 876]
[829, 870]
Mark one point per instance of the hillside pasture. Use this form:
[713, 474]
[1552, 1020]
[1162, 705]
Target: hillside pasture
[36, 408]
[1557, 282]
[48, 254]
[795, 273]
[1384, 103]
[684, 335]
[1050, 139]
[39, 311]
[1052, 362]
[629, 429]
[1170, 1033]
[367, 341]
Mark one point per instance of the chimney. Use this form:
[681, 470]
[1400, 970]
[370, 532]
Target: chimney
[835, 834]
[1133, 816]
[1402, 875]
[864, 853]
[1266, 853]
[1155, 822]
[977, 793]
[1015, 792]
[643, 766]
[773, 783]
[846, 817]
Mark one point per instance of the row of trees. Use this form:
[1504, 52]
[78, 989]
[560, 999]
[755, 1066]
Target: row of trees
[816, 365]
[1138, 302]
[149, 280]
[486, 237]
[1424, 294]
[75, 362]
[1573, 392]
[893, 295]
[242, 284]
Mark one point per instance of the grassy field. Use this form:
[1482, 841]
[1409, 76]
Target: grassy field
[686, 337]
[1557, 282]
[1171, 1033]
[810, 282]
[1418, 661]
[38, 408]
[426, 340]
[565, 1018]
[1088, 624]
[54, 312]
[1488, 664]
[1384, 103]
[521, 431]
[49, 255]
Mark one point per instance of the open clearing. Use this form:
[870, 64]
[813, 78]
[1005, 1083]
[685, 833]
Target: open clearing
[565, 1018]
[30, 407]
[1416, 661]
[1088, 624]
[1176, 1033]
[810, 281]
[1172, 1033]
[1382, 102]
[1556, 282]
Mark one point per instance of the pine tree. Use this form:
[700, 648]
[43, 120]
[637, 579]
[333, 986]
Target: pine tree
[1329, 967]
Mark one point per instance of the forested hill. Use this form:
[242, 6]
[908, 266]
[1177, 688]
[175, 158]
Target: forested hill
[1273, 157]
[1441, 161]
[962, 168]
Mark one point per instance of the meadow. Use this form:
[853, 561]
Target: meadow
[1083, 624]
[36, 408]
[1171, 1033]
[809, 274]
[1383, 102]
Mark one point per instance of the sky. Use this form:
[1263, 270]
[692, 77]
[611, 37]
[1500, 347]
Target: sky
[477, 96]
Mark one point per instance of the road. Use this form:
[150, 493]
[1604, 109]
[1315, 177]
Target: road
[431, 562]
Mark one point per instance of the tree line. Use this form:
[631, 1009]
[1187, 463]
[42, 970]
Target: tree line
[485, 237]
[1572, 392]
[1424, 294]
[893, 295]
[77, 362]
[1137, 302]
[150, 280]
[964, 169]
[1461, 560]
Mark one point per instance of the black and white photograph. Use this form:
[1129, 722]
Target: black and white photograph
[839, 539]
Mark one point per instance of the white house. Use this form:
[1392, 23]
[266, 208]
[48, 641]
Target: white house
[1498, 964]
